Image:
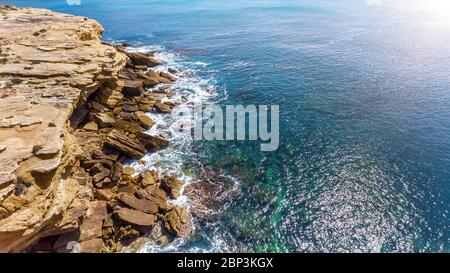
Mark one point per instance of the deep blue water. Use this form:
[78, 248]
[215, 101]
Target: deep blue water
[364, 94]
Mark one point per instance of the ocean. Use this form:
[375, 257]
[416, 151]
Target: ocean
[364, 94]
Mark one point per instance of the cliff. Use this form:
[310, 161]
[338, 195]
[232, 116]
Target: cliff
[72, 110]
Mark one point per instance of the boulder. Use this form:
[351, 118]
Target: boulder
[145, 107]
[171, 185]
[93, 221]
[167, 76]
[105, 119]
[104, 194]
[147, 179]
[117, 172]
[90, 126]
[178, 222]
[153, 142]
[108, 154]
[90, 163]
[155, 194]
[138, 58]
[131, 189]
[135, 217]
[128, 170]
[172, 70]
[144, 120]
[131, 127]
[130, 108]
[132, 88]
[99, 172]
[129, 146]
[143, 205]
[91, 246]
[162, 107]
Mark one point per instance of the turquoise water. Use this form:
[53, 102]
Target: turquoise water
[364, 94]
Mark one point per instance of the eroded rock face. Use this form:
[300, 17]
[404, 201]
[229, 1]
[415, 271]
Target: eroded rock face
[50, 64]
[72, 112]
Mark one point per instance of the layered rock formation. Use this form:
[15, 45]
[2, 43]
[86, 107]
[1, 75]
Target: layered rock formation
[72, 110]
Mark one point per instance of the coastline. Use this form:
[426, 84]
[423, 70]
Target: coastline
[77, 184]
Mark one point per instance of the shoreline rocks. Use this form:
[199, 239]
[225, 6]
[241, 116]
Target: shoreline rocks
[83, 104]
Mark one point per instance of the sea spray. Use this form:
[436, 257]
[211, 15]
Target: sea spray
[189, 89]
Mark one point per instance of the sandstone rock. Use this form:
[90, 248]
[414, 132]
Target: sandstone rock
[129, 108]
[98, 107]
[178, 222]
[145, 107]
[93, 221]
[172, 185]
[156, 195]
[145, 120]
[131, 189]
[132, 88]
[108, 221]
[162, 107]
[91, 246]
[104, 194]
[143, 205]
[131, 127]
[105, 119]
[78, 116]
[147, 179]
[128, 170]
[173, 70]
[142, 59]
[5, 180]
[99, 172]
[135, 217]
[108, 154]
[104, 162]
[91, 126]
[109, 96]
[3, 147]
[45, 166]
[167, 76]
[117, 172]
[153, 142]
[127, 145]
[69, 63]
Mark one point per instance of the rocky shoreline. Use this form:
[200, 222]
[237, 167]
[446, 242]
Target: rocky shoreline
[72, 114]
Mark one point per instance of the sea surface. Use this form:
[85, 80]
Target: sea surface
[364, 94]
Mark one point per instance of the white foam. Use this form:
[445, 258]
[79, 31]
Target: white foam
[190, 89]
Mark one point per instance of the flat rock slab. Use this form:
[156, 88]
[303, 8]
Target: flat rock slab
[135, 217]
[143, 205]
